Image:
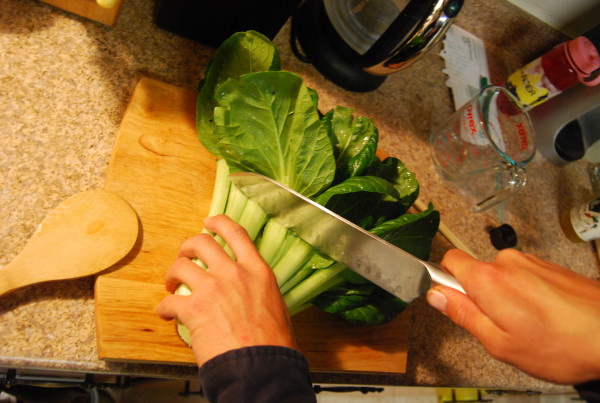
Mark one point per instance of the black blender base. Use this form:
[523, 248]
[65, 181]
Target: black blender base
[330, 56]
[210, 22]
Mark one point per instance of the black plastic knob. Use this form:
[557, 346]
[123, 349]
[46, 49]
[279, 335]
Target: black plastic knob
[503, 237]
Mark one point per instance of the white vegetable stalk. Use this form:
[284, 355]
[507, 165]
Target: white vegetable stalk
[288, 255]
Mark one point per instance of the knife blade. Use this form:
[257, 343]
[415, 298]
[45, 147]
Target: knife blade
[382, 263]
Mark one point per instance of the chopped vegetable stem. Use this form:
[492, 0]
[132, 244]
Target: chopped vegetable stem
[296, 279]
[293, 260]
[272, 241]
[318, 282]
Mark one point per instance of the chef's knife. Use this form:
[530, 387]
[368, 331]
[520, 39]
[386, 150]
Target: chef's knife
[386, 265]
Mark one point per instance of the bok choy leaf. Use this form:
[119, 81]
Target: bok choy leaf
[268, 123]
[354, 141]
[242, 53]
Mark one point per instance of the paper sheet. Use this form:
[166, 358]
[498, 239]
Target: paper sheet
[466, 64]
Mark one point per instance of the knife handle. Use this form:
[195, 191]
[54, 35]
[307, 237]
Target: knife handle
[440, 276]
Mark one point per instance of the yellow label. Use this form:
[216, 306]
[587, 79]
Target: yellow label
[528, 85]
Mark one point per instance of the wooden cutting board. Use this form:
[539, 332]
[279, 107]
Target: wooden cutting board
[160, 167]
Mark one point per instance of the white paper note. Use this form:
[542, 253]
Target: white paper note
[466, 64]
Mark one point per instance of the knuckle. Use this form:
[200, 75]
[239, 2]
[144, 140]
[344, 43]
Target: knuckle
[450, 256]
[459, 314]
[260, 269]
[197, 305]
[201, 239]
[200, 242]
[239, 275]
[266, 277]
[210, 286]
[233, 274]
[178, 265]
[454, 252]
[221, 221]
[220, 217]
[485, 275]
[508, 255]
[260, 279]
[494, 272]
[195, 242]
[489, 271]
[180, 261]
[238, 231]
[225, 225]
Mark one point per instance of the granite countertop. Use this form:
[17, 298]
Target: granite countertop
[64, 86]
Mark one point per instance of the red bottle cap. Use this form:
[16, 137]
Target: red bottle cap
[585, 60]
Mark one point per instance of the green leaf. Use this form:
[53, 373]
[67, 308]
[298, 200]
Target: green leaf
[404, 180]
[364, 304]
[242, 53]
[411, 232]
[268, 123]
[354, 141]
[319, 261]
[368, 304]
[341, 298]
[353, 277]
[370, 184]
[380, 308]
[360, 199]
[386, 191]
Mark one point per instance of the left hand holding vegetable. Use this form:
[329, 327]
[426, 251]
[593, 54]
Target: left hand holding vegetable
[233, 304]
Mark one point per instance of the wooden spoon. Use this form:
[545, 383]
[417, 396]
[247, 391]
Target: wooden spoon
[84, 235]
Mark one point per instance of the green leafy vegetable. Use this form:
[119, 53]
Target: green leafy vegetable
[372, 184]
[411, 232]
[361, 304]
[354, 141]
[242, 53]
[361, 199]
[405, 182]
[254, 117]
[268, 123]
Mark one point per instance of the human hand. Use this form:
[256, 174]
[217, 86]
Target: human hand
[233, 304]
[536, 315]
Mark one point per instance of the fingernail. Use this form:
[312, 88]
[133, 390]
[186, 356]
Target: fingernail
[437, 300]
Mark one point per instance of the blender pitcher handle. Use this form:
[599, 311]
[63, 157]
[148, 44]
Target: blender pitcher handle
[516, 182]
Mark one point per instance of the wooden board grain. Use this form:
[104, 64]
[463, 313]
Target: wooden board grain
[161, 168]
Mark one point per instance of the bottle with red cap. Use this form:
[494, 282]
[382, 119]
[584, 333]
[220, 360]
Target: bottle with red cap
[572, 62]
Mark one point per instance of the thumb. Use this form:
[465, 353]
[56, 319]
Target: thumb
[463, 311]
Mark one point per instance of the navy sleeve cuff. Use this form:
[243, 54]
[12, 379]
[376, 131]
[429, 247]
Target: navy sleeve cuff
[258, 374]
[589, 391]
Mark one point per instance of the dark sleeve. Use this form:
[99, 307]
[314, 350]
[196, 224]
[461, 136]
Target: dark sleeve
[589, 391]
[259, 374]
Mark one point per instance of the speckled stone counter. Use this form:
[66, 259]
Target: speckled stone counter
[64, 86]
